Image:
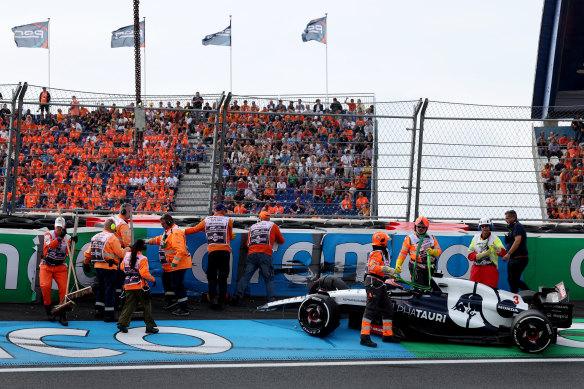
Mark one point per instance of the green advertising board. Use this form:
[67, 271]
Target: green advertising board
[553, 259]
[20, 255]
[556, 258]
[19, 264]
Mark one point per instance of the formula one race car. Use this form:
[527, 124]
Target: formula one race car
[449, 310]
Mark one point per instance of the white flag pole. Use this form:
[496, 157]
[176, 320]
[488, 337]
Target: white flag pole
[144, 55]
[230, 57]
[49, 47]
[326, 55]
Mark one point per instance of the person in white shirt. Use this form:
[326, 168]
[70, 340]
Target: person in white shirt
[347, 161]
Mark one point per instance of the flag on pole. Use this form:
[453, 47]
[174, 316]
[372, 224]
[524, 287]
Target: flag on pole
[35, 35]
[221, 38]
[315, 31]
[124, 37]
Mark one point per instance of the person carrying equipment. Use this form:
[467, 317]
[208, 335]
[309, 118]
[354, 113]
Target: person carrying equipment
[53, 267]
[377, 296]
[105, 253]
[135, 267]
[484, 251]
[420, 246]
[173, 251]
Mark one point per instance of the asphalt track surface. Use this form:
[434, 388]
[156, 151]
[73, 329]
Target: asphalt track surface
[468, 369]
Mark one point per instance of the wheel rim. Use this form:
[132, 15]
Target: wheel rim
[532, 336]
[314, 314]
[532, 333]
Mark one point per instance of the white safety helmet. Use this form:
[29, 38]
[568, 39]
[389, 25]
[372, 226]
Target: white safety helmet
[485, 221]
[60, 222]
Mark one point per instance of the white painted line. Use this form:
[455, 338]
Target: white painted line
[389, 362]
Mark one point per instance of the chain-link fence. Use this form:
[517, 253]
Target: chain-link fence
[480, 161]
[296, 155]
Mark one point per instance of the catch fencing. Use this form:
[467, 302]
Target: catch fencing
[300, 159]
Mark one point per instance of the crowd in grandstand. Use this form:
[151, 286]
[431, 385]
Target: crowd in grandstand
[298, 158]
[290, 158]
[89, 159]
[563, 174]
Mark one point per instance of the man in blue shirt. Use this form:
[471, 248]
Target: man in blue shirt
[516, 246]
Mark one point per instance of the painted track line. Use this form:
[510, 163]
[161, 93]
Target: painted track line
[390, 362]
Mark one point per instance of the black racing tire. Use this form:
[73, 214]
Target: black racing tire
[49, 223]
[17, 220]
[532, 331]
[318, 315]
[327, 283]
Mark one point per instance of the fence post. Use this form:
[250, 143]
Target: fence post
[222, 147]
[17, 146]
[374, 210]
[214, 160]
[412, 153]
[420, 147]
[8, 165]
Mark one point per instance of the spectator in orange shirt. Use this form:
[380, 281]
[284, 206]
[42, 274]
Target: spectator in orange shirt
[361, 201]
[347, 204]
[240, 209]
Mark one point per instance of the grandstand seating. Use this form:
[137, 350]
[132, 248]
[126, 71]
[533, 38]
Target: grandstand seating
[302, 164]
[562, 172]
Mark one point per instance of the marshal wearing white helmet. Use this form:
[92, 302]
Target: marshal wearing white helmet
[484, 251]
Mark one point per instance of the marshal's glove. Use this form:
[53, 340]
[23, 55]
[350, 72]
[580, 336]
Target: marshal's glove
[153, 282]
[75, 239]
[86, 267]
[398, 269]
[484, 254]
[63, 233]
[174, 265]
[388, 270]
[432, 252]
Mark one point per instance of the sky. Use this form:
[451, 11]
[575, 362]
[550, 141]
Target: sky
[481, 52]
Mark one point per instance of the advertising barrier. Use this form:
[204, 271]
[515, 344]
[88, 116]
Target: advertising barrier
[19, 256]
[305, 256]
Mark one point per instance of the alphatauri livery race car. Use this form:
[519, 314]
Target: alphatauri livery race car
[449, 310]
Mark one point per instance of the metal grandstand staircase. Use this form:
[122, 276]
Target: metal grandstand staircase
[192, 195]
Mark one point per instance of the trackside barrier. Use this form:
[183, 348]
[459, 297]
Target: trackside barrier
[306, 255]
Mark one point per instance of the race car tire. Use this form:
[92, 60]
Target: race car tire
[318, 315]
[532, 332]
[327, 283]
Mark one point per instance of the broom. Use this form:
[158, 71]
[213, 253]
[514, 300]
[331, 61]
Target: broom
[67, 304]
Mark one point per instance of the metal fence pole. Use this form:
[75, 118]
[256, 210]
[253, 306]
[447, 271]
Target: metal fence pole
[419, 172]
[9, 165]
[412, 153]
[222, 148]
[214, 164]
[17, 146]
[374, 211]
